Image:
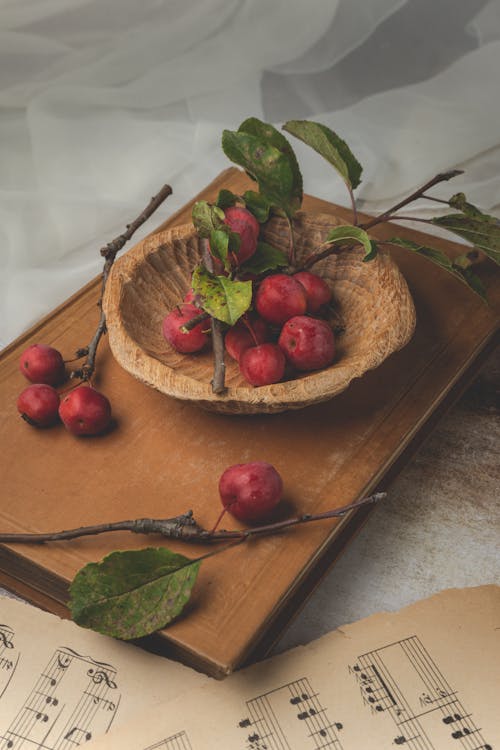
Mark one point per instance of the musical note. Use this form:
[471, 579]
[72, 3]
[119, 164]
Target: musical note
[76, 735]
[68, 704]
[270, 714]
[409, 686]
[9, 657]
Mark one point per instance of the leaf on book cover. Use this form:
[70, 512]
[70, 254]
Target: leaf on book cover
[134, 593]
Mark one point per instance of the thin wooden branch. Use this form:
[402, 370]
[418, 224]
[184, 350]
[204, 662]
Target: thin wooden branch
[219, 378]
[185, 528]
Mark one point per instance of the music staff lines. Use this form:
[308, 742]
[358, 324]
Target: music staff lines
[72, 699]
[9, 657]
[179, 741]
[402, 679]
[272, 719]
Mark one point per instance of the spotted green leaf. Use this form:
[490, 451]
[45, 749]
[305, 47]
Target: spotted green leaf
[207, 218]
[132, 594]
[221, 297]
[481, 230]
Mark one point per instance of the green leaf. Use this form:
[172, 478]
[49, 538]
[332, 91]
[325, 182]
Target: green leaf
[459, 201]
[267, 165]
[219, 246]
[258, 205]
[226, 198]
[222, 298]
[480, 230]
[207, 218]
[330, 146]
[131, 594]
[265, 258]
[268, 133]
[458, 268]
[347, 232]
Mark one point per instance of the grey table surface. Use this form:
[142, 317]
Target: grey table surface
[438, 528]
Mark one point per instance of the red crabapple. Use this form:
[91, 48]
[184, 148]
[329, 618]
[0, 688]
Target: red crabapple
[280, 297]
[85, 411]
[244, 223]
[240, 337]
[38, 405]
[250, 491]
[318, 292]
[308, 343]
[42, 364]
[263, 364]
[191, 341]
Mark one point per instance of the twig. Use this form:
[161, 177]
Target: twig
[109, 253]
[194, 322]
[441, 177]
[219, 378]
[316, 257]
[185, 528]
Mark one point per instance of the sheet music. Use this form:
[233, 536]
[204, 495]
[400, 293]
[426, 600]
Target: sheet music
[62, 686]
[425, 678]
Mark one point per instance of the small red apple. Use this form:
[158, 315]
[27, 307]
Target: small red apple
[308, 343]
[85, 411]
[250, 491]
[38, 405]
[42, 364]
[280, 297]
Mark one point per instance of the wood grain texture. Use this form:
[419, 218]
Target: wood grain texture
[148, 282]
[166, 455]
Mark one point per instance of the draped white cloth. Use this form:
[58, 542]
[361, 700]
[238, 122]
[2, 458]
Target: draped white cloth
[102, 101]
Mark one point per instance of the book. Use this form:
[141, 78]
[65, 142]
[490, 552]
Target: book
[165, 457]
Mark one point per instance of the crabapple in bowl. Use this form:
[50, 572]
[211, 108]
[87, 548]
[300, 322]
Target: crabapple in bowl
[244, 223]
[185, 342]
[263, 364]
[308, 343]
[250, 491]
[42, 364]
[38, 405]
[280, 297]
[244, 334]
[318, 292]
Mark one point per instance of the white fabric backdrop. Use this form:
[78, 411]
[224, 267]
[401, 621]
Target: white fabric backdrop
[102, 101]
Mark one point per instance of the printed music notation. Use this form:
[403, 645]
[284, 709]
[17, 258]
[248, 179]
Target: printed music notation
[178, 741]
[296, 707]
[73, 698]
[402, 680]
[9, 657]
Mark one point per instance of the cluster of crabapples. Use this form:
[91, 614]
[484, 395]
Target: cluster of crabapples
[284, 333]
[83, 410]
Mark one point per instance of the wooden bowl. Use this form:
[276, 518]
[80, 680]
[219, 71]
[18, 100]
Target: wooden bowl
[145, 284]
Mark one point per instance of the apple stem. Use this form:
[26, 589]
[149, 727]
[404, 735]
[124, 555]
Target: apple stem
[247, 323]
[219, 519]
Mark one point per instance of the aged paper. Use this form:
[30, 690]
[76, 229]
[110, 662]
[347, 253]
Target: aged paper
[61, 685]
[426, 678]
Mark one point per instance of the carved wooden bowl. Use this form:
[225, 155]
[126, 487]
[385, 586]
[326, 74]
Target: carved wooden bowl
[145, 284]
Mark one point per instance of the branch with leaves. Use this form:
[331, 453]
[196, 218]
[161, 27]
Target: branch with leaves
[134, 593]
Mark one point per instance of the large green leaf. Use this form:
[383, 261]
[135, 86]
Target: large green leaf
[479, 229]
[207, 218]
[330, 146]
[268, 133]
[347, 232]
[221, 297]
[226, 198]
[132, 594]
[265, 258]
[271, 168]
[460, 268]
[258, 205]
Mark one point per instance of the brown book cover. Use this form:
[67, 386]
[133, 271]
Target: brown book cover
[166, 456]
